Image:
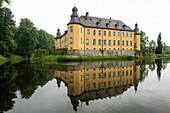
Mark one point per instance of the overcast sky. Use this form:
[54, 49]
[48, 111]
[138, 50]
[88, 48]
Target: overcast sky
[152, 16]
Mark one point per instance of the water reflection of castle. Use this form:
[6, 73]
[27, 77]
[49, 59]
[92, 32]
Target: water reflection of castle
[98, 80]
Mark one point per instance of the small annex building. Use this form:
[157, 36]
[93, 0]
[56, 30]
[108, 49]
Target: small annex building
[94, 36]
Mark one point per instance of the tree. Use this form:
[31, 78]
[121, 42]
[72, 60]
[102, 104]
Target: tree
[26, 37]
[7, 42]
[45, 40]
[152, 44]
[159, 47]
[143, 42]
[2, 1]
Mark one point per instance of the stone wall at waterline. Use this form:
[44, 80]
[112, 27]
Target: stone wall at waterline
[100, 52]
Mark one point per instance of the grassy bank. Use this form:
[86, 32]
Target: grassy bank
[157, 56]
[14, 59]
[2, 60]
[65, 58]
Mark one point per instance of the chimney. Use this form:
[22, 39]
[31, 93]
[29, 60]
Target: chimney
[87, 15]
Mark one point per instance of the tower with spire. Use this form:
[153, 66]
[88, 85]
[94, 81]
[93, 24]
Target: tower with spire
[136, 37]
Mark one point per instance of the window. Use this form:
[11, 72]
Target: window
[99, 33]
[118, 34]
[87, 49]
[135, 37]
[114, 74]
[122, 48]
[71, 28]
[88, 31]
[104, 42]
[118, 42]
[123, 34]
[126, 43]
[130, 43]
[109, 83]
[81, 40]
[87, 76]
[104, 84]
[88, 86]
[104, 48]
[94, 85]
[99, 41]
[113, 48]
[87, 41]
[94, 32]
[94, 75]
[104, 74]
[118, 48]
[135, 45]
[81, 30]
[99, 84]
[109, 48]
[130, 34]
[109, 33]
[122, 81]
[114, 34]
[126, 81]
[94, 41]
[130, 72]
[127, 73]
[109, 74]
[114, 42]
[71, 48]
[81, 77]
[123, 43]
[99, 75]
[113, 82]
[126, 34]
[118, 74]
[109, 42]
[94, 48]
[71, 40]
[104, 33]
[122, 73]
[71, 79]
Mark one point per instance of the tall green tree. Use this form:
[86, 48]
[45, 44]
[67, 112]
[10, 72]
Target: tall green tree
[7, 42]
[159, 43]
[45, 40]
[26, 37]
[143, 42]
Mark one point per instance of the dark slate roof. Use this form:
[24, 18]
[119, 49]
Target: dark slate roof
[92, 22]
[57, 37]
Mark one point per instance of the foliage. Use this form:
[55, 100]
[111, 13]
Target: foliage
[2, 60]
[65, 58]
[2, 1]
[45, 40]
[159, 43]
[7, 43]
[152, 44]
[26, 37]
[144, 40]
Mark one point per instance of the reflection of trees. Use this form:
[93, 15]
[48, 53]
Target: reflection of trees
[143, 71]
[7, 89]
[23, 77]
[159, 67]
[152, 66]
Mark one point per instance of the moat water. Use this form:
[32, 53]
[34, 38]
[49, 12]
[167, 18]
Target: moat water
[97, 87]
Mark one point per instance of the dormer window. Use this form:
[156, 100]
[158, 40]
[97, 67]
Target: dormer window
[107, 25]
[124, 26]
[98, 23]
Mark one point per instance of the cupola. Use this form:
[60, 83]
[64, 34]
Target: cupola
[136, 30]
[74, 16]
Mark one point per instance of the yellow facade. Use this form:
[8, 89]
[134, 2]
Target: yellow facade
[80, 39]
[86, 33]
[86, 80]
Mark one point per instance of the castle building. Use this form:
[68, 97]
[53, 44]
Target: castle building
[87, 35]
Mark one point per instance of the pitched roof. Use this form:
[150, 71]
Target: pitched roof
[103, 23]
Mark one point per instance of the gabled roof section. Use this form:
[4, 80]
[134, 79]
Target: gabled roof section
[103, 23]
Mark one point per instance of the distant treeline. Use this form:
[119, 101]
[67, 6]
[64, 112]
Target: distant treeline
[23, 39]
